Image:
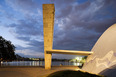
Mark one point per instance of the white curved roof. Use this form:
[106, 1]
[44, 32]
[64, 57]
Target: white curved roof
[104, 52]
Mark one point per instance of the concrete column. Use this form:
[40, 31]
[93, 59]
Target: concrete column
[48, 27]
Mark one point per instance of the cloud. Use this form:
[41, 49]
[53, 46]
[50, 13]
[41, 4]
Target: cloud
[28, 24]
[78, 39]
[65, 12]
[27, 27]
[80, 28]
[25, 9]
[26, 38]
[29, 53]
[78, 25]
[64, 56]
[85, 14]
[25, 6]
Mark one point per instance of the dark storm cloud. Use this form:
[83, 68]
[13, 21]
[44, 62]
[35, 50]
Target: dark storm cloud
[80, 39]
[63, 3]
[33, 45]
[86, 14]
[65, 11]
[64, 7]
[82, 6]
[78, 25]
[26, 27]
[28, 30]
[26, 38]
[83, 24]
[101, 26]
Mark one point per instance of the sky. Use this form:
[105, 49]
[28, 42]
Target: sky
[78, 24]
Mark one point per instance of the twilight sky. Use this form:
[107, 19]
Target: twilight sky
[78, 24]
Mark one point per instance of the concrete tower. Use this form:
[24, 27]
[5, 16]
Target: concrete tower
[48, 22]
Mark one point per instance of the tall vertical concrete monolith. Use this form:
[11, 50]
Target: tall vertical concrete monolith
[48, 27]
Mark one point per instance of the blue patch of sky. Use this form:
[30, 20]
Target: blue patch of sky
[2, 2]
[8, 14]
[5, 33]
[81, 1]
[112, 12]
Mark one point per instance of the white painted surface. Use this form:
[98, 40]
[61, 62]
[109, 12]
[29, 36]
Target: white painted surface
[104, 52]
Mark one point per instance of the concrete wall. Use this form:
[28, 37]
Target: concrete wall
[104, 52]
[48, 22]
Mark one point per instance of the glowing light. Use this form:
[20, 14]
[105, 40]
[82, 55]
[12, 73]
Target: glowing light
[78, 58]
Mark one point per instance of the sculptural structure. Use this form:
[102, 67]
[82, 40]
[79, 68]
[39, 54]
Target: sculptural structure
[48, 22]
[101, 57]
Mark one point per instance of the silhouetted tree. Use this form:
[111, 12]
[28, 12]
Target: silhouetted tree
[6, 50]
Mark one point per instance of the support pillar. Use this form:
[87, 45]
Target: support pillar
[48, 27]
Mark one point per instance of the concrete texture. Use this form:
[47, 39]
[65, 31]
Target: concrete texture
[71, 52]
[48, 23]
[104, 53]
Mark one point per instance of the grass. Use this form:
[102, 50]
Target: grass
[71, 73]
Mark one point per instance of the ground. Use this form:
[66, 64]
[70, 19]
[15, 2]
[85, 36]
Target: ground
[31, 71]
